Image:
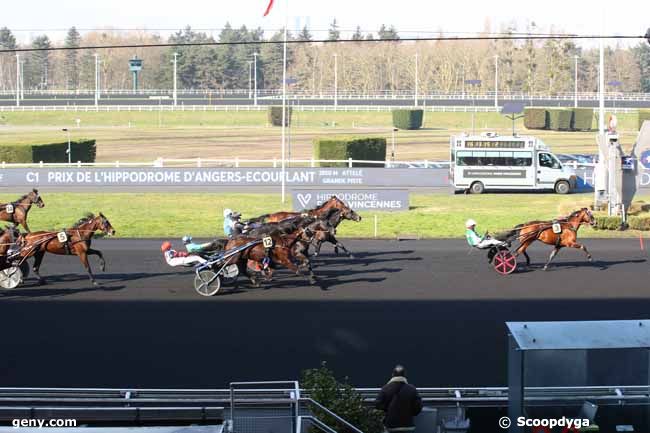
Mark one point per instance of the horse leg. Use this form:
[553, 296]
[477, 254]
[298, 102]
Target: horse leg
[522, 250]
[550, 258]
[317, 248]
[83, 256]
[345, 250]
[92, 252]
[583, 248]
[38, 259]
[24, 224]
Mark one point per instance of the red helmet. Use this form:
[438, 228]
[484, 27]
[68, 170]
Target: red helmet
[166, 246]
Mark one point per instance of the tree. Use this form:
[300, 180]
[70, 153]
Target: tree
[71, 61]
[7, 42]
[357, 36]
[334, 33]
[385, 33]
[195, 63]
[38, 63]
[7, 39]
[304, 34]
[642, 56]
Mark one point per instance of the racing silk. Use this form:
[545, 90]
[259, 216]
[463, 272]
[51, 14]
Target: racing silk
[472, 238]
[181, 258]
[228, 224]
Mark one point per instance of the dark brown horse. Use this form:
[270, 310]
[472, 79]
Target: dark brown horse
[20, 208]
[333, 203]
[334, 218]
[76, 241]
[543, 231]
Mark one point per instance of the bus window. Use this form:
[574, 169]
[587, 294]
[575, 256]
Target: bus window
[547, 160]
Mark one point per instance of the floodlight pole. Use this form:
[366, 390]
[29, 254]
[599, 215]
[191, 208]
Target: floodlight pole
[255, 78]
[284, 102]
[336, 81]
[96, 80]
[250, 79]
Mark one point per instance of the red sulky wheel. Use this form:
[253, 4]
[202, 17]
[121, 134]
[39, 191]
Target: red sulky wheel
[504, 262]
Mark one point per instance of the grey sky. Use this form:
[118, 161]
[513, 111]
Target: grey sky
[420, 16]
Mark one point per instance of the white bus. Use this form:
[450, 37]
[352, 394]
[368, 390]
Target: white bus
[491, 162]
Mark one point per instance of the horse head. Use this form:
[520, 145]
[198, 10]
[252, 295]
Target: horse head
[105, 225]
[587, 217]
[346, 211]
[35, 198]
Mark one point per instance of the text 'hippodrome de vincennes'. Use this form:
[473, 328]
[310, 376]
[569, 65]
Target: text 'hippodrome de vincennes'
[197, 176]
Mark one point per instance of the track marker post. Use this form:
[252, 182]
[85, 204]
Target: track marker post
[376, 226]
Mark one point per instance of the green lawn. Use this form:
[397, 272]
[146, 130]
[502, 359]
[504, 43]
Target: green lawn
[137, 136]
[431, 215]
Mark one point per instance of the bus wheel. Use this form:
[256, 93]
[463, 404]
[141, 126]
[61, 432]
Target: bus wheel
[562, 187]
[477, 188]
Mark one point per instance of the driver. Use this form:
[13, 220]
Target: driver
[477, 241]
[179, 258]
[194, 248]
[232, 225]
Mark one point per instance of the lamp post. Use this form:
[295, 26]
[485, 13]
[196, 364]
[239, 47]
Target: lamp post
[336, 81]
[96, 80]
[392, 154]
[496, 81]
[575, 81]
[69, 151]
[255, 78]
[250, 79]
[17, 80]
[175, 93]
[416, 78]
[473, 83]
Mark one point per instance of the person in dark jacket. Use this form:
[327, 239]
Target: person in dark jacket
[400, 402]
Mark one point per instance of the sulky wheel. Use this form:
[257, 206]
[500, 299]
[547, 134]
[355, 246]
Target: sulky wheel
[10, 278]
[504, 262]
[207, 283]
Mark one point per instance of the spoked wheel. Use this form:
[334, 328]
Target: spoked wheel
[207, 283]
[10, 278]
[504, 262]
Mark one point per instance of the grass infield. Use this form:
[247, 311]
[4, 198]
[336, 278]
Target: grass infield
[171, 215]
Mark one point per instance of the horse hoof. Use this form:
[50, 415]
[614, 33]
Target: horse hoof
[351, 256]
[545, 268]
[590, 259]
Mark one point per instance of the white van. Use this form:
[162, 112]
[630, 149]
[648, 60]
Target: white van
[492, 162]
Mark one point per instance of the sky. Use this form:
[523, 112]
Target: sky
[417, 17]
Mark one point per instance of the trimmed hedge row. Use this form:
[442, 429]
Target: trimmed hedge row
[408, 119]
[342, 148]
[275, 115]
[82, 150]
[641, 223]
[644, 114]
[559, 119]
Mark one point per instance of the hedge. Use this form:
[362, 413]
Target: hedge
[342, 148]
[535, 118]
[559, 119]
[408, 119]
[582, 119]
[635, 222]
[275, 115]
[82, 150]
[644, 114]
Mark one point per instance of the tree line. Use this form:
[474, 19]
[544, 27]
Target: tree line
[546, 66]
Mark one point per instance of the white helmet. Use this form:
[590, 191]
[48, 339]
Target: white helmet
[470, 223]
[227, 212]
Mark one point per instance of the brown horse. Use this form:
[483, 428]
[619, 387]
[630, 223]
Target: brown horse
[21, 208]
[543, 231]
[77, 242]
[333, 203]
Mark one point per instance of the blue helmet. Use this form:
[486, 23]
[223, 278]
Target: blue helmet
[187, 239]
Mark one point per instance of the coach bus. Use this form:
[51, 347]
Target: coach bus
[492, 162]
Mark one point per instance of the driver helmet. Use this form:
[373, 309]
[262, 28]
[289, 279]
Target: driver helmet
[227, 212]
[470, 223]
[166, 246]
[187, 239]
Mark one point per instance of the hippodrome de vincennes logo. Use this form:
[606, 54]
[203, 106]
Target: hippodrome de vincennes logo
[645, 159]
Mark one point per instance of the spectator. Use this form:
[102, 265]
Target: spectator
[400, 402]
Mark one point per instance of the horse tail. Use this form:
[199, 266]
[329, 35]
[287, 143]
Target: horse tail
[509, 235]
[260, 219]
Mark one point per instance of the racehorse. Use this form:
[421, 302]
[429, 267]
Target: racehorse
[285, 249]
[73, 241]
[334, 218]
[543, 231]
[21, 208]
[333, 202]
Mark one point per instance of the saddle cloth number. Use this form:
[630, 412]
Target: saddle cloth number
[9, 208]
[267, 242]
[62, 237]
[557, 228]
